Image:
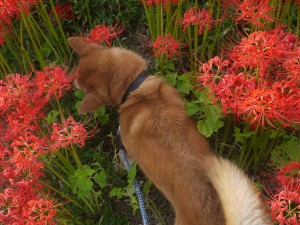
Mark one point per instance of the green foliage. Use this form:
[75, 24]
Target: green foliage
[52, 116]
[287, 151]
[93, 12]
[209, 114]
[81, 182]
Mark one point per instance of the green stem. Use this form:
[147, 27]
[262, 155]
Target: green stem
[36, 49]
[80, 166]
[196, 34]
[217, 29]
[298, 24]
[75, 155]
[169, 24]
[60, 109]
[225, 134]
[278, 11]
[190, 47]
[43, 14]
[65, 161]
[159, 20]
[69, 185]
[46, 39]
[88, 12]
[61, 167]
[3, 65]
[60, 27]
[58, 175]
[203, 45]
[149, 20]
[61, 194]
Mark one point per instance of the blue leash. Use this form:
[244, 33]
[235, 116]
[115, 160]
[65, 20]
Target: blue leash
[135, 183]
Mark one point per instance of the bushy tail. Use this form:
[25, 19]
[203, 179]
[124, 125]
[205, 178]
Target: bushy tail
[238, 195]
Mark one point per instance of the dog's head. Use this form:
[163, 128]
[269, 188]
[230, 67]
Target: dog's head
[104, 74]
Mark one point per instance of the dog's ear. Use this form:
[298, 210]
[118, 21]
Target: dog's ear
[81, 45]
[89, 103]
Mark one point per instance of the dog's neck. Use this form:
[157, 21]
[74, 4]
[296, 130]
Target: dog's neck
[135, 85]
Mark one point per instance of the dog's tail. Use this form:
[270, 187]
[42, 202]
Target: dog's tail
[238, 195]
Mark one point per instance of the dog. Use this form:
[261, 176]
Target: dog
[164, 141]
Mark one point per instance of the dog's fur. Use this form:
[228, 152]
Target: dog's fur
[157, 132]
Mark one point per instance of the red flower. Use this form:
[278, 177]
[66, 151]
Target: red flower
[166, 44]
[68, 133]
[27, 150]
[255, 12]
[197, 17]
[289, 176]
[285, 203]
[262, 49]
[53, 81]
[22, 102]
[260, 81]
[64, 11]
[39, 211]
[9, 9]
[101, 33]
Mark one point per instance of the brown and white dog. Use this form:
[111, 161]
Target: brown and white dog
[157, 133]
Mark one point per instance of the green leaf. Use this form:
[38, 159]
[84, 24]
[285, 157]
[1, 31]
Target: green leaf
[171, 78]
[203, 96]
[116, 192]
[212, 122]
[79, 94]
[81, 182]
[77, 104]
[170, 66]
[192, 108]
[100, 111]
[288, 151]
[240, 136]
[46, 50]
[132, 173]
[100, 178]
[207, 129]
[147, 187]
[183, 84]
[52, 116]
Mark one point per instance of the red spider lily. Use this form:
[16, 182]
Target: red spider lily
[166, 45]
[22, 105]
[70, 132]
[16, 200]
[40, 211]
[52, 82]
[289, 176]
[195, 16]
[25, 158]
[260, 106]
[255, 12]
[64, 11]
[262, 49]
[285, 203]
[101, 33]
[9, 9]
[165, 2]
[259, 83]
